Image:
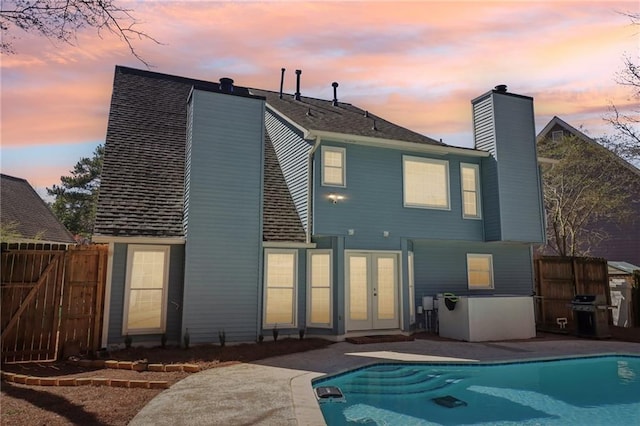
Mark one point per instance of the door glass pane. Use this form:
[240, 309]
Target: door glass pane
[145, 309]
[320, 303]
[279, 306]
[386, 288]
[358, 299]
[280, 268]
[320, 307]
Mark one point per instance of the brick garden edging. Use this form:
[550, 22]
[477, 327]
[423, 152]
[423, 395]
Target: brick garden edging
[96, 381]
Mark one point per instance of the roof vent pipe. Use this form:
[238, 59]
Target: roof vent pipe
[335, 93]
[281, 80]
[226, 85]
[297, 95]
[502, 88]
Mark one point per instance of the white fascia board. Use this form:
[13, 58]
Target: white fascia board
[284, 244]
[396, 144]
[137, 240]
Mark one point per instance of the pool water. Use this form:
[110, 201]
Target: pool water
[603, 390]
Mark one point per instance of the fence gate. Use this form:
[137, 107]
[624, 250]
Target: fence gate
[50, 295]
[558, 280]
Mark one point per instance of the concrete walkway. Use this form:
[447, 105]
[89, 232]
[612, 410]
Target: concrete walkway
[277, 391]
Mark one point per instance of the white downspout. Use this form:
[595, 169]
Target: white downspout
[310, 186]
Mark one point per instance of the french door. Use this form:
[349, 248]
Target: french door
[372, 291]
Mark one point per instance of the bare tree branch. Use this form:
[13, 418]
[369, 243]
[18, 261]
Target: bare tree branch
[583, 192]
[60, 20]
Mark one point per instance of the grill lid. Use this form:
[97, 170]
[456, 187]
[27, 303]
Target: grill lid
[584, 298]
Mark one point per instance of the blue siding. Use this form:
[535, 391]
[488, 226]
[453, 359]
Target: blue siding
[520, 192]
[442, 267]
[223, 248]
[174, 297]
[292, 152]
[374, 203]
[504, 126]
[118, 283]
[490, 199]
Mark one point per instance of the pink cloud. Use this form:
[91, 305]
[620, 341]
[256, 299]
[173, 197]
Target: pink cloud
[418, 64]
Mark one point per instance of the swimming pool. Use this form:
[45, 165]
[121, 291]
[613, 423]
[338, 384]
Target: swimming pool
[597, 390]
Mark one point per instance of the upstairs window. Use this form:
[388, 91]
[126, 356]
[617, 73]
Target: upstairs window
[426, 183]
[470, 183]
[480, 271]
[333, 166]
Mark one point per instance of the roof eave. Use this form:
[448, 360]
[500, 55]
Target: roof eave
[395, 144]
[137, 239]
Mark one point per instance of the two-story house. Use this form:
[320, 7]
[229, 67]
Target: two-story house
[241, 210]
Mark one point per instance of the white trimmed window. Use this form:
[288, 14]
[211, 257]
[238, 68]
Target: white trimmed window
[145, 301]
[412, 290]
[557, 135]
[333, 166]
[426, 183]
[470, 183]
[280, 283]
[480, 271]
[319, 288]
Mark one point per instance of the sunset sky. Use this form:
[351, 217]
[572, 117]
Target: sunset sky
[416, 63]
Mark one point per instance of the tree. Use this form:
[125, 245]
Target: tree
[61, 20]
[626, 139]
[584, 189]
[76, 198]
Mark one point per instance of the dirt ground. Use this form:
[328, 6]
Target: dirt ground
[102, 405]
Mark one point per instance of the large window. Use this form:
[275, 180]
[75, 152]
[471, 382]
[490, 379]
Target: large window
[319, 288]
[333, 166]
[280, 282]
[470, 178]
[146, 289]
[426, 183]
[480, 271]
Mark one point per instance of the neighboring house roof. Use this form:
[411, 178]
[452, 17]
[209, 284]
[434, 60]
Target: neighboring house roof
[621, 268]
[142, 183]
[28, 215]
[322, 115]
[557, 124]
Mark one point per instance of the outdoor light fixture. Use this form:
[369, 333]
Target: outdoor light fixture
[335, 198]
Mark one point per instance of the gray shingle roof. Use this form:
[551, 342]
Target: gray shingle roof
[23, 209]
[142, 183]
[318, 114]
[281, 221]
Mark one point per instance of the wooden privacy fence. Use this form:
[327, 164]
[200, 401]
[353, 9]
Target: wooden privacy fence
[558, 280]
[52, 295]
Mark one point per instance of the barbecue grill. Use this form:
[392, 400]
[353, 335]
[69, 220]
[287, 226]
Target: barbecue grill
[591, 314]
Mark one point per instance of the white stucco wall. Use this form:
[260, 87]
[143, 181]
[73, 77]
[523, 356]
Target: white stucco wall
[486, 318]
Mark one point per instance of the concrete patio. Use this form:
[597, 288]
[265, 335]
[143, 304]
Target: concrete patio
[277, 391]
